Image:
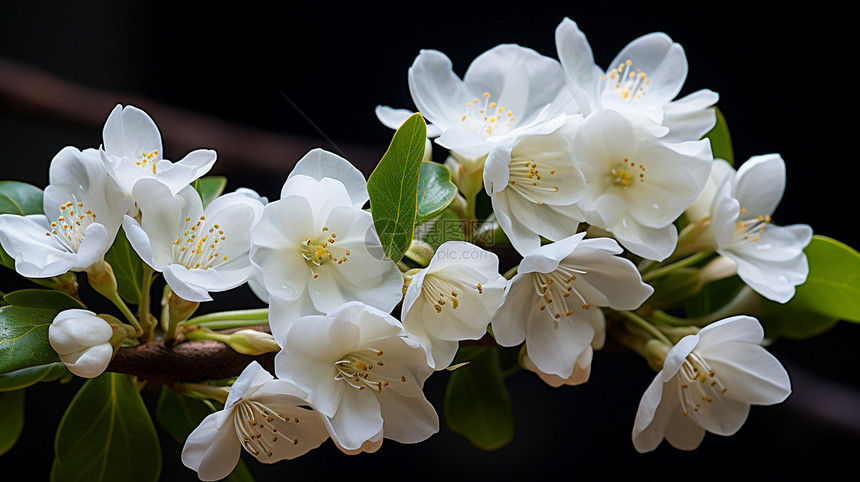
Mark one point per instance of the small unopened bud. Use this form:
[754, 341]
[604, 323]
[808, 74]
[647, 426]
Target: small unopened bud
[655, 353]
[252, 342]
[84, 341]
[101, 278]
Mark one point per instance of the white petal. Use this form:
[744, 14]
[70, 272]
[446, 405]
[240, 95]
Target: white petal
[546, 258]
[357, 419]
[554, 345]
[319, 164]
[575, 55]
[683, 433]
[437, 92]
[662, 60]
[180, 174]
[759, 185]
[750, 374]
[655, 412]
[212, 453]
[129, 131]
[407, 419]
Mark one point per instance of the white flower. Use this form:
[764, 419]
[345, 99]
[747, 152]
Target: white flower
[132, 151]
[548, 303]
[582, 367]
[363, 372]
[83, 211]
[265, 416]
[708, 382]
[315, 248]
[534, 186]
[197, 251]
[769, 258]
[82, 340]
[453, 299]
[646, 75]
[637, 183]
[506, 91]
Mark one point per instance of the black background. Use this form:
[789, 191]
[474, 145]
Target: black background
[787, 85]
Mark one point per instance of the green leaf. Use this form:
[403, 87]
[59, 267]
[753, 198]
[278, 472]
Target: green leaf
[435, 191]
[393, 187]
[178, 414]
[11, 418]
[721, 141]
[833, 285]
[477, 404]
[106, 434]
[209, 188]
[26, 377]
[444, 227]
[18, 198]
[127, 268]
[791, 321]
[713, 296]
[24, 327]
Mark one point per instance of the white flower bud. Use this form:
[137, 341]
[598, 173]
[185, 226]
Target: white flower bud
[82, 340]
[252, 342]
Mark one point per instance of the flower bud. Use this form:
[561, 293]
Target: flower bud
[83, 341]
[252, 342]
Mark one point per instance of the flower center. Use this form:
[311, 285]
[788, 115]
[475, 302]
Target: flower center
[68, 229]
[555, 288]
[318, 253]
[254, 423]
[749, 230]
[441, 292]
[149, 160]
[625, 82]
[486, 118]
[624, 173]
[526, 179]
[699, 384]
[356, 369]
[197, 248]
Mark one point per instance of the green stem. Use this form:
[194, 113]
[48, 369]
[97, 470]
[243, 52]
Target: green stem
[745, 302]
[216, 393]
[645, 325]
[259, 315]
[228, 324]
[511, 272]
[143, 309]
[119, 303]
[664, 270]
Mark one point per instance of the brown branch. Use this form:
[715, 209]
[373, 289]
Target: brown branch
[186, 362]
[194, 361]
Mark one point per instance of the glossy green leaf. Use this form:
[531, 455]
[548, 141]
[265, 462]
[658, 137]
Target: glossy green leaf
[393, 187]
[713, 296]
[24, 327]
[832, 288]
[444, 227]
[721, 141]
[11, 419]
[791, 321]
[210, 187]
[26, 377]
[477, 404]
[18, 198]
[178, 414]
[435, 191]
[127, 268]
[106, 434]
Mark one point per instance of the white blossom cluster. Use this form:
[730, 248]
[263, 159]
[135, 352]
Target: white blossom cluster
[558, 145]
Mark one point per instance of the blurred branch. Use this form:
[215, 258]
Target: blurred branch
[35, 93]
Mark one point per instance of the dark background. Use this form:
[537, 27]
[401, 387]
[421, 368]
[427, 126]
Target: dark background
[263, 84]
